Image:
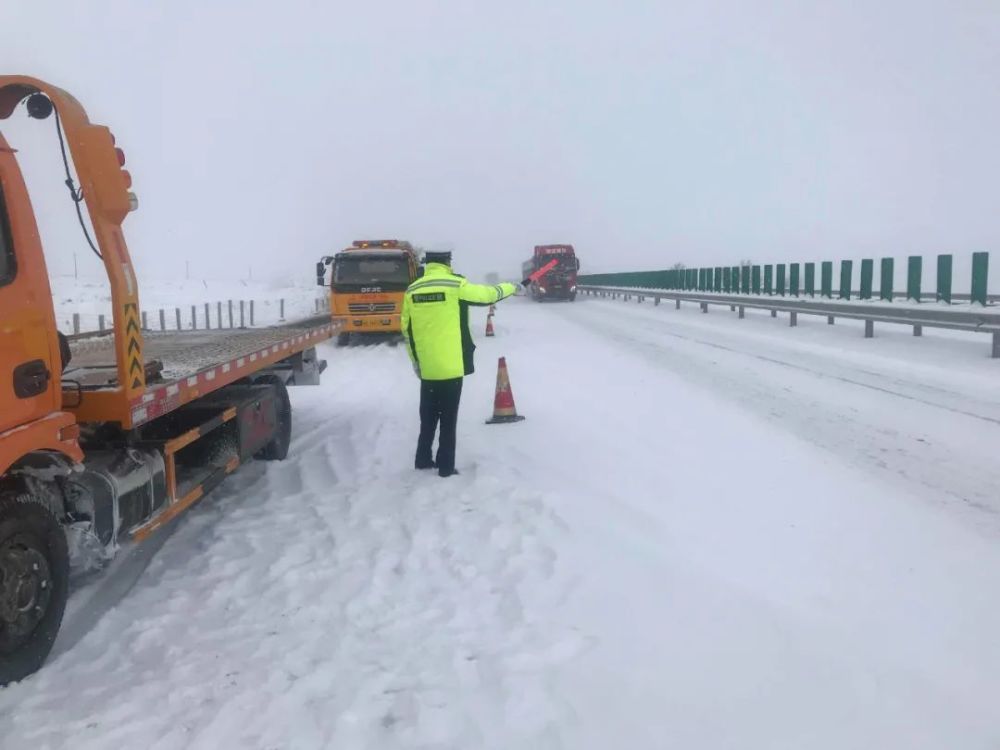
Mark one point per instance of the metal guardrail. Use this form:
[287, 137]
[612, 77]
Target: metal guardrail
[986, 321]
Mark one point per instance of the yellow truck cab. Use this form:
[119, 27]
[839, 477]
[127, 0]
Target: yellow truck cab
[367, 282]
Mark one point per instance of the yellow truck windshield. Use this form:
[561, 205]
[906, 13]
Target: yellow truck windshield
[367, 269]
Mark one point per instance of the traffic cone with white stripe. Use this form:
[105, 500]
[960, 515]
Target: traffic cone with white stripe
[503, 403]
[489, 325]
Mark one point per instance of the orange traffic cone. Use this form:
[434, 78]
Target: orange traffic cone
[489, 325]
[503, 402]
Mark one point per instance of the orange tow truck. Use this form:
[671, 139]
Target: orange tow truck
[103, 440]
[367, 285]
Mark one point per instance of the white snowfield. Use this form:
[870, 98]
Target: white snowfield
[708, 533]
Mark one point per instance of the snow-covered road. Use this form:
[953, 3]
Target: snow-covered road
[708, 533]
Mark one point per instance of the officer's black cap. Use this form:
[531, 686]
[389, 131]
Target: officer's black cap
[438, 257]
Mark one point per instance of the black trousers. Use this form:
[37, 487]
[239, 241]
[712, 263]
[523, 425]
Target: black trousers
[438, 404]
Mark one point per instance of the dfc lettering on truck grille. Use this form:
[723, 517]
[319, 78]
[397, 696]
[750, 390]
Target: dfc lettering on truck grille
[362, 308]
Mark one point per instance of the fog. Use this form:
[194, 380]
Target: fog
[262, 135]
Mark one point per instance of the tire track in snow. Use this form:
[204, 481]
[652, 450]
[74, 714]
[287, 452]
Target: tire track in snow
[929, 446]
[337, 599]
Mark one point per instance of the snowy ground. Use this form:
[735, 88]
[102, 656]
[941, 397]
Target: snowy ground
[709, 533]
[92, 299]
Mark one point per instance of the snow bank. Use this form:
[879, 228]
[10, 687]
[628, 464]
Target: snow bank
[91, 299]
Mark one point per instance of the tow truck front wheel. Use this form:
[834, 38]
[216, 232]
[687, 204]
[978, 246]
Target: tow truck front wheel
[34, 584]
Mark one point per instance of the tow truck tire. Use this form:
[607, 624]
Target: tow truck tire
[277, 449]
[34, 584]
[343, 339]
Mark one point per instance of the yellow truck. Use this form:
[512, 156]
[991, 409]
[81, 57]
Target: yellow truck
[367, 282]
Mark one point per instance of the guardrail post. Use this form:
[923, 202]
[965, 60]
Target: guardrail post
[944, 278]
[743, 312]
[918, 330]
[678, 304]
[869, 329]
[163, 320]
[177, 311]
[780, 279]
[914, 270]
[656, 301]
[774, 313]
[846, 273]
[980, 274]
[281, 305]
[885, 279]
[811, 279]
[793, 319]
[826, 279]
[145, 321]
[829, 320]
[704, 307]
[242, 317]
[745, 279]
[996, 346]
[100, 321]
[230, 313]
[76, 322]
[208, 318]
[769, 279]
[718, 279]
[218, 315]
[867, 275]
[755, 279]
[793, 279]
[194, 317]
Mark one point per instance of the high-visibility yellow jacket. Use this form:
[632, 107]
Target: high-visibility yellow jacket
[435, 321]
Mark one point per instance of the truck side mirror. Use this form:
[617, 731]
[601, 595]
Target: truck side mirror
[320, 274]
[577, 264]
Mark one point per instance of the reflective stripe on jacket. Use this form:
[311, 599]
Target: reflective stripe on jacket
[435, 321]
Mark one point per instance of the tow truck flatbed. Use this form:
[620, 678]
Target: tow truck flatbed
[181, 366]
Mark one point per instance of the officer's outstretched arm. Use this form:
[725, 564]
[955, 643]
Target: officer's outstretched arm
[485, 294]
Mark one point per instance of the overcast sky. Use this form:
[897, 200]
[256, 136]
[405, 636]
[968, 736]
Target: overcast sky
[265, 134]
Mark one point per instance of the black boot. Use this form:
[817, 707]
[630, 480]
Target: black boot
[424, 465]
[448, 473]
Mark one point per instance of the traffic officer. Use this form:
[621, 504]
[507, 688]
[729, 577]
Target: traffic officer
[435, 324]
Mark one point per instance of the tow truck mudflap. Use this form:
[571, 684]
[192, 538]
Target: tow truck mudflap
[307, 368]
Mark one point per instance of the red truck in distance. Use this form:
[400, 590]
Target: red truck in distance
[560, 281]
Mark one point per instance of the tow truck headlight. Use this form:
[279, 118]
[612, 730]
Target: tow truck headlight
[541, 289]
[572, 288]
